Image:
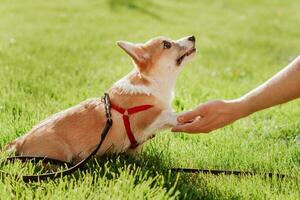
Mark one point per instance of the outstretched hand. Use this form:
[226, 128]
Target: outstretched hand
[281, 88]
[209, 116]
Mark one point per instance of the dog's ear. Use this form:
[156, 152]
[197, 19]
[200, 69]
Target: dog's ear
[134, 51]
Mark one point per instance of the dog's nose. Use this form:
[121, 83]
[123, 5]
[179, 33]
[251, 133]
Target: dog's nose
[192, 38]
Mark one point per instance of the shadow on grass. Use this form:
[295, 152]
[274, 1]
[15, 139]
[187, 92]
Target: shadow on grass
[189, 186]
[142, 6]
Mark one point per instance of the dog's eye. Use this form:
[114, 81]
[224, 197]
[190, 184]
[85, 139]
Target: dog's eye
[166, 44]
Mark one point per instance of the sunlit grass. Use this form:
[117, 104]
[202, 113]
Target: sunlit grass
[54, 54]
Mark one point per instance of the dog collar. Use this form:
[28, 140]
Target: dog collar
[126, 113]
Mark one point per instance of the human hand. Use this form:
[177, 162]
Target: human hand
[210, 116]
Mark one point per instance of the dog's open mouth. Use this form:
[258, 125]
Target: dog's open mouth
[180, 59]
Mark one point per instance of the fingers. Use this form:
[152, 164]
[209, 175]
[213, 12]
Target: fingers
[193, 127]
[190, 115]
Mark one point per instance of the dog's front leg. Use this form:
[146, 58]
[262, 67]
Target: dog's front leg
[167, 119]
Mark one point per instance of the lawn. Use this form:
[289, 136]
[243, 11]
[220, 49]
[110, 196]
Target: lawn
[55, 54]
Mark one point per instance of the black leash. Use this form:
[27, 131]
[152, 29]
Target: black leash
[71, 168]
[225, 172]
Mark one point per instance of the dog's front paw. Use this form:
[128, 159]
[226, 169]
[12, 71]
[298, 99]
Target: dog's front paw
[172, 120]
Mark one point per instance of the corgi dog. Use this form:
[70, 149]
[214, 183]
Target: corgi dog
[71, 135]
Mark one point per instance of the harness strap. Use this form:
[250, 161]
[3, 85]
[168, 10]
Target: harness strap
[125, 115]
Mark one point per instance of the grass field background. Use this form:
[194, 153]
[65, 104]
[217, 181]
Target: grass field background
[55, 54]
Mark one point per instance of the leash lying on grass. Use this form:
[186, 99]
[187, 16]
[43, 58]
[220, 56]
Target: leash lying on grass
[226, 172]
[72, 168]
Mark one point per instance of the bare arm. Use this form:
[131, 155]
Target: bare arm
[283, 87]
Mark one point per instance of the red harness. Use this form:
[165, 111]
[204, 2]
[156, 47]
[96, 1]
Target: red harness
[126, 114]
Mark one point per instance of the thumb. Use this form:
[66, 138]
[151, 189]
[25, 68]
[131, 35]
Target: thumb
[190, 115]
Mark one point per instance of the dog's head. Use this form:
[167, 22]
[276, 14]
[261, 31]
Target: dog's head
[160, 57]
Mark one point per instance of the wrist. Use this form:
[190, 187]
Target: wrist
[241, 107]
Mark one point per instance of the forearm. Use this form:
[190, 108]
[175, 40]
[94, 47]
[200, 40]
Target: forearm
[282, 87]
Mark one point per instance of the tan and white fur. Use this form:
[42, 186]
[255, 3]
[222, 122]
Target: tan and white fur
[72, 134]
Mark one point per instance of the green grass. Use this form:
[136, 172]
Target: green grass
[54, 54]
